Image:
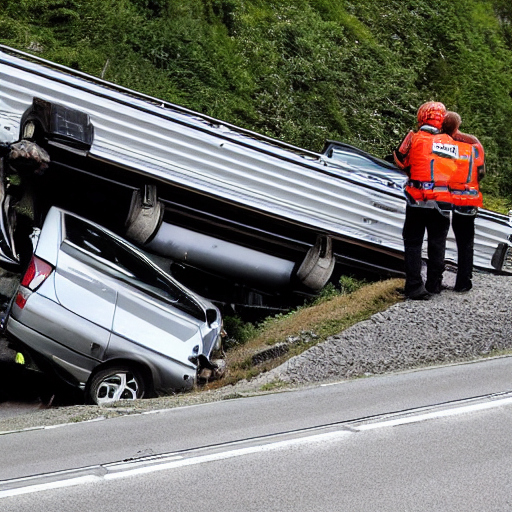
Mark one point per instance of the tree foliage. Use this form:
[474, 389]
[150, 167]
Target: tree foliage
[298, 70]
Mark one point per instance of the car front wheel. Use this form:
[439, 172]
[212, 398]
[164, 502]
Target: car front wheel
[115, 383]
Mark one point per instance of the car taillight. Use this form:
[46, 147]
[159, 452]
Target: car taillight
[38, 270]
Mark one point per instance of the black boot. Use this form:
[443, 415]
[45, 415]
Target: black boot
[419, 294]
[434, 286]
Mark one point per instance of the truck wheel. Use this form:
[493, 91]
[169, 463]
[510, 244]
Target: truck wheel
[145, 215]
[317, 267]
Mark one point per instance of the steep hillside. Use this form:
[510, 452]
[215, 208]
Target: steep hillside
[298, 70]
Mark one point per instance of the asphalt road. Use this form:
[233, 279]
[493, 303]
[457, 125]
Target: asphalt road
[432, 439]
[447, 465]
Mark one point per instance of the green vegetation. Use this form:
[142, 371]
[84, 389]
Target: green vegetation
[298, 70]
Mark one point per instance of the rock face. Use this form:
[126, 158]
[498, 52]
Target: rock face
[448, 328]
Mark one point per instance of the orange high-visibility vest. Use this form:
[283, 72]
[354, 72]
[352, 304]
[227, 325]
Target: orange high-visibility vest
[463, 183]
[442, 169]
[431, 165]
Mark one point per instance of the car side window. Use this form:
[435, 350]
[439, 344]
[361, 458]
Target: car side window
[125, 264]
[355, 160]
[89, 239]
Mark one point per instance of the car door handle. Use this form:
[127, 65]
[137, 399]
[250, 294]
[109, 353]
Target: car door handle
[95, 347]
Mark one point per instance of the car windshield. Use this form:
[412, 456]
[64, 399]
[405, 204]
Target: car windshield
[127, 265]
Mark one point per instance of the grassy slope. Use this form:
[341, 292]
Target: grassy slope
[308, 325]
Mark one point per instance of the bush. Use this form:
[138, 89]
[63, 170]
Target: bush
[238, 331]
[349, 284]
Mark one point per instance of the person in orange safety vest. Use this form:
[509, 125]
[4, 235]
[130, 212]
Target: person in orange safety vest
[466, 200]
[422, 154]
[436, 164]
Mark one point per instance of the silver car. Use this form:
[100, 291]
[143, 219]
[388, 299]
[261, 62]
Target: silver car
[107, 319]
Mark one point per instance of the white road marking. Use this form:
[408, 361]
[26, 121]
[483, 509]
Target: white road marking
[279, 445]
[437, 414]
[118, 472]
[143, 466]
[48, 486]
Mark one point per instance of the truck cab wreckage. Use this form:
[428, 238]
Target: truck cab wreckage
[238, 217]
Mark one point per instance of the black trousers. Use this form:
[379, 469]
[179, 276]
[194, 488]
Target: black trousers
[464, 231]
[419, 220]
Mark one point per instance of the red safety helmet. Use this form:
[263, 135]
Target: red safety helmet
[432, 113]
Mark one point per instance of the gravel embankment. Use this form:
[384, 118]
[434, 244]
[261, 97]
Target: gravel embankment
[448, 328]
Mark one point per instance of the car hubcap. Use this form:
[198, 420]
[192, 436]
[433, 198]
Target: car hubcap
[120, 386]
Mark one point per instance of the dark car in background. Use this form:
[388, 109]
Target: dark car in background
[350, 157]
[101, 315]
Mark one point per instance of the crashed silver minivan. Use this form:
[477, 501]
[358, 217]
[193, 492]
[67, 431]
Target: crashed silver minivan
[106, 318]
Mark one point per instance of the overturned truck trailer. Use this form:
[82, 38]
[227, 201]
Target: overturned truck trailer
[240, 217]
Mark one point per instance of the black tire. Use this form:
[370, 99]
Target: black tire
[115, 383]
